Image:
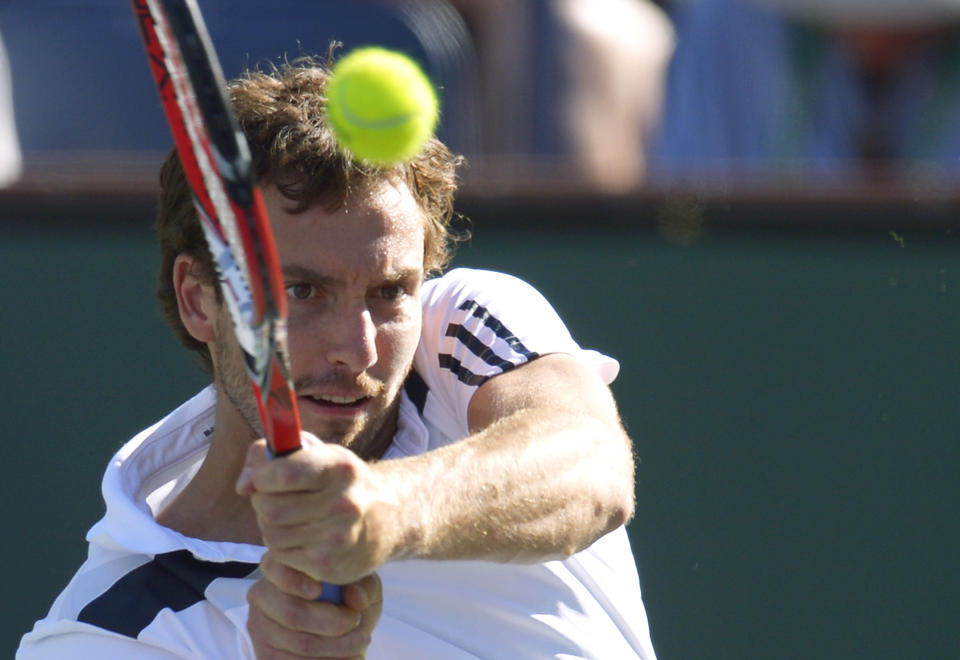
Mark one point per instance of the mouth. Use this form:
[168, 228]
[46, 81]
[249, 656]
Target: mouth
[337, 404]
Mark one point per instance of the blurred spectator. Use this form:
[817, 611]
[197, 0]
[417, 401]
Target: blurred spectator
[104, 104]
[574, 85]
[818, 87]
[570, 82]
[9, 146]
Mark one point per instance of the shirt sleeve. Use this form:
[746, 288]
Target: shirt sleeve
[479, 324]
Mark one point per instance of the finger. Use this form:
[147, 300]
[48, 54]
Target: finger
[315, 539]
[300, 583]
[312, 469]
[363, 594]
[257, 455]
[303, 615]
[322, 563]
[308, 440]
[372, 589]
[300, 507]
[309, 527]
[289, 580]
[272, 639]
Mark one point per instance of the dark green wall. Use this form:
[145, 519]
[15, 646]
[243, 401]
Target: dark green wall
[792, 394]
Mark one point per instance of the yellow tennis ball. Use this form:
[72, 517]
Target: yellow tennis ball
[381, 106]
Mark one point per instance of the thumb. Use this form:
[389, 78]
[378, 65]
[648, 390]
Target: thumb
[257, 455]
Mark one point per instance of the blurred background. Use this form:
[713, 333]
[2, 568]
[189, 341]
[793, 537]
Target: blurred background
[753, 204]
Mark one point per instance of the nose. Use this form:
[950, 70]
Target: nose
[352, 340]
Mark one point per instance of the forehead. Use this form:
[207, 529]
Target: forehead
[380, 226]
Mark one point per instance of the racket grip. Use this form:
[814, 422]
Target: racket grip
[331, 594]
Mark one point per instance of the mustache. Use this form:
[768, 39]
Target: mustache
[363, 382]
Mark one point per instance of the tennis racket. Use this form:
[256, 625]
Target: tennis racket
[216, 161]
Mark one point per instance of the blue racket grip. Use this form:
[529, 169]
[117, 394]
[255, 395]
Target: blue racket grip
[331, 594]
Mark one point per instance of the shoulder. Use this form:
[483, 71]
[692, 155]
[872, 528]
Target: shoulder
[485, 295]
[490, 307]
[478, 324]
[472, 282]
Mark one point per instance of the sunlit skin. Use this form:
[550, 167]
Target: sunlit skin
[353, 279]
[328, 513]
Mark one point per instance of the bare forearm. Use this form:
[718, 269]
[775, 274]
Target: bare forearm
[546, 471]
[535, 485]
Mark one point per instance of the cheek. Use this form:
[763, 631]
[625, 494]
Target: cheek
[397, 341]
[297, 337]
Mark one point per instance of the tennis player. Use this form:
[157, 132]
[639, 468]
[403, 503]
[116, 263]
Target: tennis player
[464, 473]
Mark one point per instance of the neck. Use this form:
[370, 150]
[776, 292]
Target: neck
[373, 447]
[209, 507]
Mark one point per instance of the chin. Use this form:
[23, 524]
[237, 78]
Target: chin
[368, 437]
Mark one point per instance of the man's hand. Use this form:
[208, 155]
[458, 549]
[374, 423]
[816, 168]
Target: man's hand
[283, 625]
[322, 511]
[546, 470]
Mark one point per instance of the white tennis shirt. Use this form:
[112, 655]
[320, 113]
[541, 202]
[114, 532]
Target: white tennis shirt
[146, 591]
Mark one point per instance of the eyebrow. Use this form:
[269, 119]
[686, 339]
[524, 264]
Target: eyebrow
[296, 272]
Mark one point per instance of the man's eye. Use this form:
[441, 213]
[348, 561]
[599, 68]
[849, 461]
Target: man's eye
[300, 291]
[391, 292]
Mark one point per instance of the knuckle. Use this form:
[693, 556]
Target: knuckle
[348, 507]
[373, 586]
[337, 539]
[288, 472]
[269, 568]
[345, 469]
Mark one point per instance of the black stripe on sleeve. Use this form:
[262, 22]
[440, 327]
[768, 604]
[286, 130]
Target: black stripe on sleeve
[174, 580]
[498, 328]
[476, 346]
[463, 374]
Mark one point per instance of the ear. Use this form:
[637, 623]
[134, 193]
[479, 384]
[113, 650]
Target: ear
[195, 299]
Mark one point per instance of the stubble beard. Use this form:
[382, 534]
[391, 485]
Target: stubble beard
[368, 437]
[363, 435]
[233, 382]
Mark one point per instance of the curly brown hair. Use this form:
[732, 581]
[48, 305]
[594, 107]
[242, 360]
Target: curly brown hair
[282, 113]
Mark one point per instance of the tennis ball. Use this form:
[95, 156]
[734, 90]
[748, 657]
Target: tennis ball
[381, 106]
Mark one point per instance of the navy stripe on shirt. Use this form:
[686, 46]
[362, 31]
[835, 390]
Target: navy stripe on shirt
[479, 311]
[476, 346]
[486, 353]
[416, 388]
[174, 580]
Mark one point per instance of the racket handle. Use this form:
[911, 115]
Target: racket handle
[331, 594]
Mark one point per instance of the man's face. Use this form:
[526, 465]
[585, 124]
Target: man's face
[353, 279]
